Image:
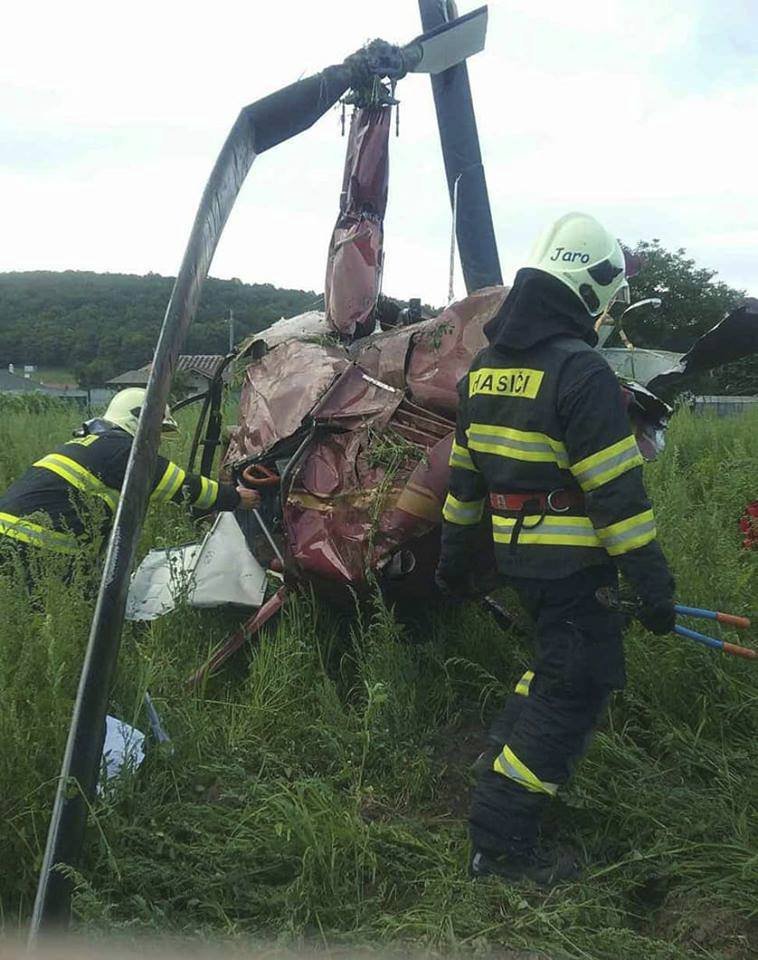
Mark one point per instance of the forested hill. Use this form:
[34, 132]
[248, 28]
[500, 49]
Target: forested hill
[101, 324]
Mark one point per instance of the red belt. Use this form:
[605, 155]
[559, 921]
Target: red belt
[555, 501]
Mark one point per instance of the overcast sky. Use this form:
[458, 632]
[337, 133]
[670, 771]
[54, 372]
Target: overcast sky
[111, 116]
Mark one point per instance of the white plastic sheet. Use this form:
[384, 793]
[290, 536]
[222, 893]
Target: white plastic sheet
[124, 748]
[218, 571]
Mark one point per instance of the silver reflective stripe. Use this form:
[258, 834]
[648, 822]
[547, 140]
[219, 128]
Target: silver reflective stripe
[18, 528]
[460, 457]
[481, 441]
[461, 512]
[169, 484]
[457, 461]
[611, 465]
[79, 477]
[208, 493]
[619, 538]
[636, 535]
[548, 530]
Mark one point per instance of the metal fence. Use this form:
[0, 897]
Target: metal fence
[724, 406]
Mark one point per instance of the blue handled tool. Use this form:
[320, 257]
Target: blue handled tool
[729, 618]
[732, 619]
[609, 597]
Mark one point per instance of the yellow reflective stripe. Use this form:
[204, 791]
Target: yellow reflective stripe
[23, 530]
[79, 477]
[628, 534]
[522, 687]
[607, 464]
[169, 484]
[552, 531]
[516, 444]
[510, 766]
[464, 513]
[460, 457]
[207, 495]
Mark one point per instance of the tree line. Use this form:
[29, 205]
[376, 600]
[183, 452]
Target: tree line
[99, 325]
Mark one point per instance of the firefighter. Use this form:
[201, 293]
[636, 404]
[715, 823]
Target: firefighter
[47, 507]
[544, 455]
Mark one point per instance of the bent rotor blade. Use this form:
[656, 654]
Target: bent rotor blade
[448, 43]
[734, 337]
[459, 138]
[259, 127]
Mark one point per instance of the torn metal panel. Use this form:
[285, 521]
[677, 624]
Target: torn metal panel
[443, 351]
[385, 355]
[333, 505]
[357, 399]
[643, 366]
[355, 260]
[312, 323]
[278, 392]
[648, 415]
[220, 570]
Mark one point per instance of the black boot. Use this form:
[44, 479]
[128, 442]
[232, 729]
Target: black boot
[540, 866]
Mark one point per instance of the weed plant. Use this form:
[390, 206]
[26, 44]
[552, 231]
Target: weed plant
[317, 789]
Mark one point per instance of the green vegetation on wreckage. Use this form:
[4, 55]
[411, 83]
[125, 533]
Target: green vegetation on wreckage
[318, 787]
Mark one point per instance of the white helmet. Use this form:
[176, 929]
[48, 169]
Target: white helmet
[579, 251]
[124, 410]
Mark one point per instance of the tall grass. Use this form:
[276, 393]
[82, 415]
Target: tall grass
[317, 787]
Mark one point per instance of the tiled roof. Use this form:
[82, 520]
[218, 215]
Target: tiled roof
[206, 364]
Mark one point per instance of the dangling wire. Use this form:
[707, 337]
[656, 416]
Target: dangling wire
[453, 237]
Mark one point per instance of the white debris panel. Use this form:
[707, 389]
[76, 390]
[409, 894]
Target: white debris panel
[220, 570]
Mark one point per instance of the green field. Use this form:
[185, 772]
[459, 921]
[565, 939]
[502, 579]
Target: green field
[318, 788]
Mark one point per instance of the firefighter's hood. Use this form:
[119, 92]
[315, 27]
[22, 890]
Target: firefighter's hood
[538, 308]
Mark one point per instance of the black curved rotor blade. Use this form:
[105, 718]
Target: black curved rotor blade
[734, 337]
[466, 182]
[259, 127]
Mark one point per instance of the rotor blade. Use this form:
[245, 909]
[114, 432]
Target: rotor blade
[448, 43]
[734, 337]
[475, 233]
[259, 127]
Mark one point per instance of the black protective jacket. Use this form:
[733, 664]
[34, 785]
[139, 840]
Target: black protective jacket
[50, 505]
[540, 412]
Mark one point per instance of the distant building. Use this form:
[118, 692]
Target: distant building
[11, 383]
[200, 369]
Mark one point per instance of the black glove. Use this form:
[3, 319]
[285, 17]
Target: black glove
[648, 573]
[659, 617]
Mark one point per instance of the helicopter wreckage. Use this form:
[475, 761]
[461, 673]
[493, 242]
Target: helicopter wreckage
[346, 415]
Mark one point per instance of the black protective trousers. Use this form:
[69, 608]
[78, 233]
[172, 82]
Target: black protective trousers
[545, 727]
